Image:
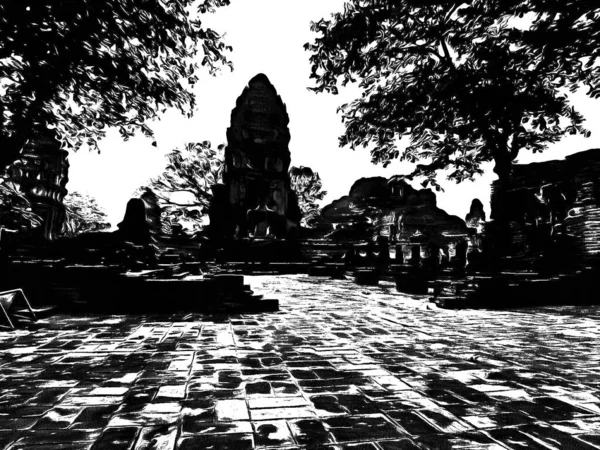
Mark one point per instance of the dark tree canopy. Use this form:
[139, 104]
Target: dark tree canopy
[464, 81]
[564, 36]
[81, 66]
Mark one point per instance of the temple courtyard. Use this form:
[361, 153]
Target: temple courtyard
[340, 366]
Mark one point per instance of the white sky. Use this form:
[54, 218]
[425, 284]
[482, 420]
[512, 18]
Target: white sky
[268, 36]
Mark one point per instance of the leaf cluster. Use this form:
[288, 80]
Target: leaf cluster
[81, 66]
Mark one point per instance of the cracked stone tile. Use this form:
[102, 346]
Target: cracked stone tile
[258, 388]
[171, 391]
[116, 439]
[414, 424]
[33, 438]
[274, 433]
[282, 413]
[310, 432]
[276, 402]
[444, 421]
[58, 384]
[398, 444]
[206, 428]
[49, 396]
[578, 426]
[593, 439]
[593, 407]
[304, 374]
[93, 400]
[93, 417]
[327, 405]
[281, 388]
[231, 410]
[513, 438]
[103, 391]
[391, 383]
[519, 394]
[220, 441]
[361, 428]
[162, 408]
[58, 417]
[553, 437]
[194, 419]
[468, 440]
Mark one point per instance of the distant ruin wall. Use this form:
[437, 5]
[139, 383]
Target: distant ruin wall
[379, 214]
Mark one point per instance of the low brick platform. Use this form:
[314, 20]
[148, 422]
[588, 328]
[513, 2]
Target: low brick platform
[340, 366]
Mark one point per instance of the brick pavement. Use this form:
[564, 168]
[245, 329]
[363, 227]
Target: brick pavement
[339, 367]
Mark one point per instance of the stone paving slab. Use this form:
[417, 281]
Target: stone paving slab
[338, 367]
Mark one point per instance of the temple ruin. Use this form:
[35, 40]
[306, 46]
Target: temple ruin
[257, 159]
[41, 173]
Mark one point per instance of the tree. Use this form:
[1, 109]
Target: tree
[16, 213]
[80, 66]
[83, 214]
[455, 77]
[184, 188]
[309, 190]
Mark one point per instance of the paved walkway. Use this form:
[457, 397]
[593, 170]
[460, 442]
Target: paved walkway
[339, 367]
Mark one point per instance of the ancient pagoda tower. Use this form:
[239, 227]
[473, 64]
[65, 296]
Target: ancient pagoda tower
[41, 173]
[257, 160]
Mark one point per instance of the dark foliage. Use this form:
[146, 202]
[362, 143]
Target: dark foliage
[464, 81]
[16, 213]
[309, 191]
[184, 188]
[80, 66]
[83, 214]
[565, 38]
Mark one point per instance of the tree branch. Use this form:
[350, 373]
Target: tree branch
[421, 49]
[197, 192]
[171, 202]
[447, 55]
[449, 13]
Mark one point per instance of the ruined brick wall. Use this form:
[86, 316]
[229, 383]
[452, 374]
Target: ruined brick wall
[553, 207]
[41, 174]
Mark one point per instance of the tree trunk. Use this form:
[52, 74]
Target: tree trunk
[503, 167]
[10, 146]
[499, 233]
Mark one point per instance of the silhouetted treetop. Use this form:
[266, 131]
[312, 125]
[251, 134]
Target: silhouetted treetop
[460, 79]
[82, 66]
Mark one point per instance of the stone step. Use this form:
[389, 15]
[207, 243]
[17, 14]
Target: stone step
[367, 277]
